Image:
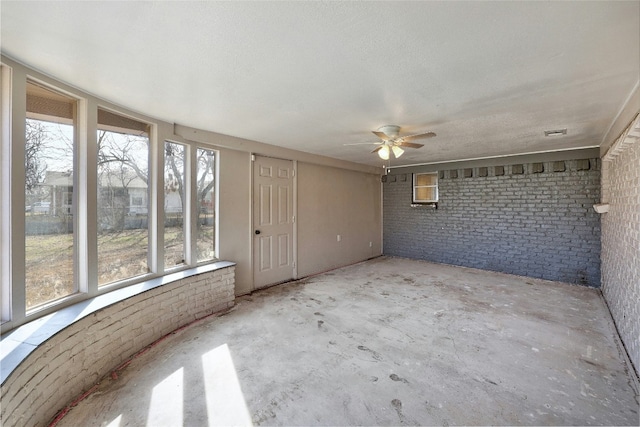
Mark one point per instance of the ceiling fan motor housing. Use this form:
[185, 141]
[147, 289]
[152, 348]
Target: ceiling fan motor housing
[392, 131]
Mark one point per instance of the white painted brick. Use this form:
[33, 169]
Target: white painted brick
[74, 359]
[621, 245]
[12, 399]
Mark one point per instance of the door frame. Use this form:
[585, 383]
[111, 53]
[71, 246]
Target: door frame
[294, 245]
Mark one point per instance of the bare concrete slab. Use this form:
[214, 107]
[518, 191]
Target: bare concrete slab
[386, 342]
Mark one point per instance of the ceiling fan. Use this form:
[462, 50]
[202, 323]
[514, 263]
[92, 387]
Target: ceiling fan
[393, 142]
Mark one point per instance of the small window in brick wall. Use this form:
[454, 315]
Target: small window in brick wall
[425, 188]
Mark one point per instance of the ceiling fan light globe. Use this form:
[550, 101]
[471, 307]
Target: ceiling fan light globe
[384, 153]
[397, 151]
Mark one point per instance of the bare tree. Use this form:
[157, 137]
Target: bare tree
[121, 154]
[205, 169]
[122, 160]
[174, 162]
[35, 141]
[174, 172]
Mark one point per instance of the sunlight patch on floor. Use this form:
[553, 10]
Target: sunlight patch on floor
[225, 401]
[166, 406]
[116, 422]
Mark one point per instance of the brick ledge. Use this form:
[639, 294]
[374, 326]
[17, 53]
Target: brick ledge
[17, 344]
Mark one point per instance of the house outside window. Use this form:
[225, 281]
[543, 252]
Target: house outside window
[123, 179]
[50, 147]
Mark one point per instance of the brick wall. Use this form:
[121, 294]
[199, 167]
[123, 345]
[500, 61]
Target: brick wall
[73, 360]
[532, 219]
[621, 242]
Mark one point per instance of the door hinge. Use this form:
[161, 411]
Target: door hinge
[293, 172]
[293, 218]
[253, 157]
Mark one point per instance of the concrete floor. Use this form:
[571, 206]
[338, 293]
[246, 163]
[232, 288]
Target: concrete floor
[387, 342]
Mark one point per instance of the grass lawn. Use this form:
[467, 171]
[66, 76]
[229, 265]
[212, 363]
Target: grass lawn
[121, 255]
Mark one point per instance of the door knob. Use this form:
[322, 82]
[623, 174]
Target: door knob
[257, 231]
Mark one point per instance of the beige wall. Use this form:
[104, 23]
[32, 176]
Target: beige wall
[333, 202]
[333, 197]
[349, 193]
[235, 215]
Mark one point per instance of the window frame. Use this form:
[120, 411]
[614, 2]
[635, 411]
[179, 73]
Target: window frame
[124, 117]
[185, 204]
[414, 186]
[6, 108]
[64, 203]
[196, 205]
[13, 114]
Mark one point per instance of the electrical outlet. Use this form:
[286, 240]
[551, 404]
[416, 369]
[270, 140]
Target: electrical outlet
[339, 237]
[370, 244]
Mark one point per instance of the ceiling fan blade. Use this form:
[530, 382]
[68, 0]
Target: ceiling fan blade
[383, 136]
[418, 136]
[378, 149]
[409, 144]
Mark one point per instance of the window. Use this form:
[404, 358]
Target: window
[174, 194]
[425, 187]
[93, 199]
[123, 177]
[205, 244]
[50, 146]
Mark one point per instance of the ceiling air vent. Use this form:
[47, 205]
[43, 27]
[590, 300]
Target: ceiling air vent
[556, 132]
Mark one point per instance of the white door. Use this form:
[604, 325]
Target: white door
[272, 221]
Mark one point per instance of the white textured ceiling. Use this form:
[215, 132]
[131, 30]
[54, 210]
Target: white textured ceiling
[487, 77]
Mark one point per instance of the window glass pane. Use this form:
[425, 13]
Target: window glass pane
[49, 196]
[123, 195]
[174, 155]
[206, 206]
[425, 193]
[426, 179]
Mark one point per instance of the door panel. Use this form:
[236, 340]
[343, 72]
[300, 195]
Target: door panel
[265, 253]
[283, 249]
[265, 171]
[265, 210]
[273, 221]
[284, 210]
